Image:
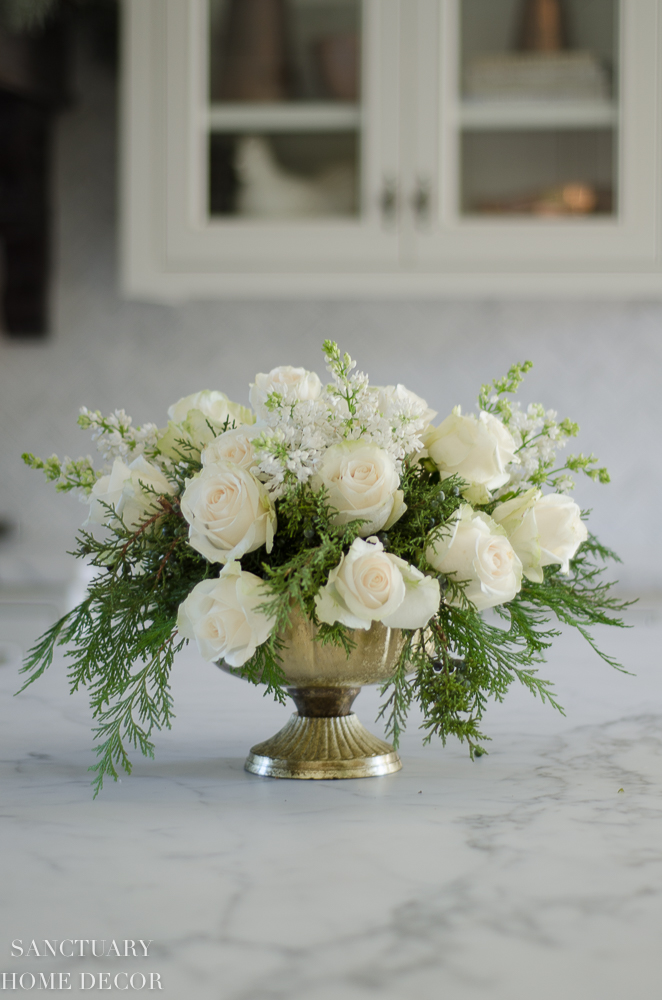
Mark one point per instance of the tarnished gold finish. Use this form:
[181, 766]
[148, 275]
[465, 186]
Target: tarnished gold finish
[323, 703]
[323, 747]
[324, 738]
[307, 663]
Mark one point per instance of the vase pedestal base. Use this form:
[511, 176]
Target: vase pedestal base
[324, 739]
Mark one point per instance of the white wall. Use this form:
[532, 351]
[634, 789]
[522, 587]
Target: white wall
[598, 363]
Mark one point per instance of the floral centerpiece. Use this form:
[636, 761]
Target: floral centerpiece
[343, 504]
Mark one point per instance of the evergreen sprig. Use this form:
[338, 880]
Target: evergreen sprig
[122, 639]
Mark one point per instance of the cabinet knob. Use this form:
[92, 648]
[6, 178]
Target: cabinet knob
[388, 200]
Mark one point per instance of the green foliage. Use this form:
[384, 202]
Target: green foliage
[306, 548]
[490, 396]
[546, 475]
[122, 639]
[581, 599]
[400, 689]
[430, 504]
[461, 660]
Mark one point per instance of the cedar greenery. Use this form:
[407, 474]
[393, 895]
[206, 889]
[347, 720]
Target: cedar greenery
[121, 641]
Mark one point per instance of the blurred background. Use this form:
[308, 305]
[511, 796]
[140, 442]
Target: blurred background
[280, 173]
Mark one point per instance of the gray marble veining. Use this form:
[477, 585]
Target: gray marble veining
[535, 871]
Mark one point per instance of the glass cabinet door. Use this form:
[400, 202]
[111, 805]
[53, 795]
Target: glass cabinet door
[538, 86]
[543, 132]
[285, 115]
[283, 133]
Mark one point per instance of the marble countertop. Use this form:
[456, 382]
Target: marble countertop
[534, 872]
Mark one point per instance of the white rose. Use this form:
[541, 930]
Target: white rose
[107, 490]
[291, 383]
[196, 420]
[229, 512]
[144, 485]
[477, 449]
[362, 481]
[222, 616]
[213, 405]
[235, 446]
[542, 530]
[370, 585]
[477, 551]
[131, 490]
[560, 528]
[518, 518]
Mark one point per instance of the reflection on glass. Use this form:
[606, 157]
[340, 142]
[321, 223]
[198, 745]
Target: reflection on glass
[538, 90]
[281, 176]
[284, 50]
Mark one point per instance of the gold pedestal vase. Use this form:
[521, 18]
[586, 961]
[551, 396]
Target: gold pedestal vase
[324, 738]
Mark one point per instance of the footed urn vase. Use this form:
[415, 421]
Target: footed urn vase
[324, 738]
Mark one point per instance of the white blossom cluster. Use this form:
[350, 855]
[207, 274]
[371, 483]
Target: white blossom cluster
[297, 431]
[116, 437]
[538, 437]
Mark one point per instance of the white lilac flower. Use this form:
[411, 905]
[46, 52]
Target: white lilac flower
[299, 431]
[538, 438]
[115, 435]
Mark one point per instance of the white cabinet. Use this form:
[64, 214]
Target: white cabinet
[390, 147]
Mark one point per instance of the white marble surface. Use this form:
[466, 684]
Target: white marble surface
[526, 874]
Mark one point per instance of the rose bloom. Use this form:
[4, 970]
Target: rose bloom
[196, 420]
[475, 550]
[235, 446]
[369, 585]
[107, 490]
[362, 481]
[213, 405]
[222, 617]
[132, 490]
[477, 449]
[560, 528]
[518, 519]
[542, 529]
[291, 383]
[229, 512]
